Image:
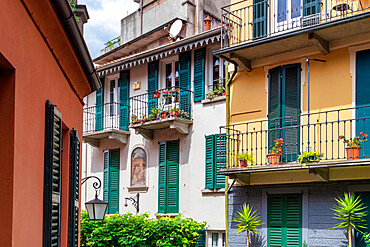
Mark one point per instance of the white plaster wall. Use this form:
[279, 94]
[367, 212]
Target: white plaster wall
[192, 203]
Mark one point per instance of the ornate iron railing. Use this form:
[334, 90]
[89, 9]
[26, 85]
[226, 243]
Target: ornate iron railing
[318, 132]
[161, 104]
[108, 116]
[246, 21]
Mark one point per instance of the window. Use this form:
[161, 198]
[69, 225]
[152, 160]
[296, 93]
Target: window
[199, 73]
[168, 177]
[215, 158]
[284, 220]
[138, 167]
[172, 74]
[111, 180]
[52, 176]
[216, 239]
[113, 97]
[217, 75]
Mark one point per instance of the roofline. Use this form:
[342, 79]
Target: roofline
[290, 34]
[66, 15]
[163, 48]
[95, 60]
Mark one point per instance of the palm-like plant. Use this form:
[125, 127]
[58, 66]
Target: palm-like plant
[248, 221]
[350, 211]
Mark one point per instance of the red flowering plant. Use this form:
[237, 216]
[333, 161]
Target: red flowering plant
[356, 141]
[277, 148]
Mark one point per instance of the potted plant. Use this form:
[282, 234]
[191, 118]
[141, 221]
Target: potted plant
[248, 221]
[275, 152]
[244, 158]
[351, 212]
[154, 113]
[353, 145]
[133, 119]
[308, 157]
[157, 94]
[210, 95]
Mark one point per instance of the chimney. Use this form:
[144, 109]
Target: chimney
[207, 24]
[81, 13]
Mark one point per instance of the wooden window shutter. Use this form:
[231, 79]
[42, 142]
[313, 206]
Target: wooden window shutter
[162, 178]
[52, 176]
[184, 77]
[259, 18]
[199, 72]
[124, 94]
[274, 106]
[201, 239]
[210, 161]
[74, 186]
[152, 84]
[172, 176]
[99, 116]
[106, 177]
[284, 218]
[220, 156]
[114, 165]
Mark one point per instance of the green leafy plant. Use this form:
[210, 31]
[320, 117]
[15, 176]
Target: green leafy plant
[350, 211]
[367, 238]
[245, 157]
[138, 230]
[310, 156]
[248, 221]
[276, 149]
[356, 141]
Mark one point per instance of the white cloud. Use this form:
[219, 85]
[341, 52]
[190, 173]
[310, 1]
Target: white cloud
[105, 21]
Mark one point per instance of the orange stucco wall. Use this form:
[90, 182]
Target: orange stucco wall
[37, 78]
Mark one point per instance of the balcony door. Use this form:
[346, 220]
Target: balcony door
[362, 97]
[284, 109]
[287, 15]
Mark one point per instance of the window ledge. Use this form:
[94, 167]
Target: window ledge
[218, 192]
[136, 189]
[213, 100]
[172, 215]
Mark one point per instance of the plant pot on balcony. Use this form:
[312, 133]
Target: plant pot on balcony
[243, 163]
[274, 159]
[164, 114]
[353, 153]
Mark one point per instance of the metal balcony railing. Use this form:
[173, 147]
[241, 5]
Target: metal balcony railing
[161, 104]
[244, 21]
[108, 116]
[319, 132]
[111, 44]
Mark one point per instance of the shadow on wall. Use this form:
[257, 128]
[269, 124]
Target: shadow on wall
[257, 240]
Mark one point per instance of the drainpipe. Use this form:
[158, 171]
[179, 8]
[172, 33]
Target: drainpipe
[141, 17]
[227, 188]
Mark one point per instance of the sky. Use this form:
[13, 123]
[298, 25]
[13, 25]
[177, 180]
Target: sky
[105, 21]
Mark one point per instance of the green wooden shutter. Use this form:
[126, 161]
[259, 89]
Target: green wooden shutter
[173, 176]
[284, 220]
[210, 153]
[113, 207]
[274, 107]
[106, 176]
[184, 81]
[220, 162]
[259, 18]
[162, 181]
[124, 94]
[99, 116]
[199, 71]
[201, 239]
[74, 188]
[152, 84]
[52, 176]
[291, 106]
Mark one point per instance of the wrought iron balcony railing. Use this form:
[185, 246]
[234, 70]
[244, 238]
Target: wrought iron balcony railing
[318, 132]
[108, 116]
[165, 103]
[247, 21]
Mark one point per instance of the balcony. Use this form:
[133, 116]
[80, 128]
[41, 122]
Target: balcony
[111, 44]
[161, 109]
[316, 132]
[106, 122]
[269, 27]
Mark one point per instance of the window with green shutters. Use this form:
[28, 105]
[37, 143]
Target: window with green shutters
[152, 84]
[201, 239]
[168, 177]
[74, 188]
[52, 176]
[215, 159]
[111, 180]
[99, 116]
[284, 220]
[199, 72]
[184, 80]
[124, 94]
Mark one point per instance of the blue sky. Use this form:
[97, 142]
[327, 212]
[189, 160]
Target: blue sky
[105, 21]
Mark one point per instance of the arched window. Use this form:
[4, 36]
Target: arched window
[138, 167]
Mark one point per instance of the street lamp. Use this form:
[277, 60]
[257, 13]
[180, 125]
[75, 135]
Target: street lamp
[95, 208]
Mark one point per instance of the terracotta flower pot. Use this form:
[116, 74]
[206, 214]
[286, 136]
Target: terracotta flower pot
[353, 153]
[274, 159]
[243, 163]
[163, 115]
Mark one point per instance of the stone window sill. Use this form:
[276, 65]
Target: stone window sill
[213, 100]
[137, 189]
[216, 192]
[172, 215]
